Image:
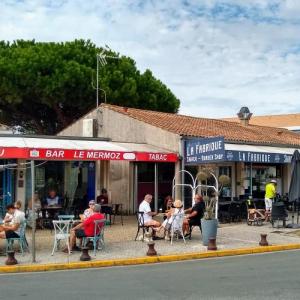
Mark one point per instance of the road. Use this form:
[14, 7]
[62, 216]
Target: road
[265, 276]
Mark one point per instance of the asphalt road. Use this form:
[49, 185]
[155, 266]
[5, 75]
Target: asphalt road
[266, 276]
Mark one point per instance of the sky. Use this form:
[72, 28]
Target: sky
[215, 55]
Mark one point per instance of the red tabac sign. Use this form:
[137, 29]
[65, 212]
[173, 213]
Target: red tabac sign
[70, 154]
[156, 157]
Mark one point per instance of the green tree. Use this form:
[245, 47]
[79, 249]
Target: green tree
[46, 86]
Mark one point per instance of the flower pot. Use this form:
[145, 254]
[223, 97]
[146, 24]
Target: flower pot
[209, 230]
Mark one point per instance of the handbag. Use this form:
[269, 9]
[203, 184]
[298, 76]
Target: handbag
[168, 227]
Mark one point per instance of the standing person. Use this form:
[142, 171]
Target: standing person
[148, 214]
[194, 214]
[270, 194]
[103, 197]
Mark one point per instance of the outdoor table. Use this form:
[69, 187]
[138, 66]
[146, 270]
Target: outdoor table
[48, 214]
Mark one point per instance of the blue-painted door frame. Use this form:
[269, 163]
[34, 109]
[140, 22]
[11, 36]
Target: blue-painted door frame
[91, 184]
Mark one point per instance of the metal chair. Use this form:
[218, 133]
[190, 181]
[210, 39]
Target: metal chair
[21, 239]
[61, 233]
[176, 226]
[98, 237]
[107, 211]
[66, 217]
[117, 210]
[141, 224]
[191, 227]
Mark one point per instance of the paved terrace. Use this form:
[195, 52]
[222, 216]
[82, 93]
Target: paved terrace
[119, 241]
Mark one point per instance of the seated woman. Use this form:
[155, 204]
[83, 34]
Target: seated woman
[166, 225]
[168, 203]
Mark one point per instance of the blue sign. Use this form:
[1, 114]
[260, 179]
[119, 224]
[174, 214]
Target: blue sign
[258, 157]
[204, 150]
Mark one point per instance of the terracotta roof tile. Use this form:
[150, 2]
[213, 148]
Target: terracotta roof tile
[284, 120]
[203, 127]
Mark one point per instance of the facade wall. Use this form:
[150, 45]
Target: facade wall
[121, 128]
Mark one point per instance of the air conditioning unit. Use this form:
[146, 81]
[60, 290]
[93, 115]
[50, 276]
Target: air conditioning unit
[89, 128]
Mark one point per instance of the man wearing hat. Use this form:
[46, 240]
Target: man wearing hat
[270, 194]
[85, 228]
[89, 211]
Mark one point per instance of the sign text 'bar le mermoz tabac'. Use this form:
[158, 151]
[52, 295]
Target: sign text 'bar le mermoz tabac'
[204, 150]
[71, 154]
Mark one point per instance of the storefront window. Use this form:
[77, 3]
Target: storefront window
[226, 191]
[165, 179]
[145, 180]
[256, 177]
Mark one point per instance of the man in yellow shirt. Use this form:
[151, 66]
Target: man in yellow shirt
[270, 196]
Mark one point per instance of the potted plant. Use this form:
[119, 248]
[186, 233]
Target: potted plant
[209, 222]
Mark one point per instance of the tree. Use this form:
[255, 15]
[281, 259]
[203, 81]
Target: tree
[46, 86]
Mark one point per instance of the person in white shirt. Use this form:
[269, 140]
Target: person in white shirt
[148, 214]
[18, 211]
[13, 229]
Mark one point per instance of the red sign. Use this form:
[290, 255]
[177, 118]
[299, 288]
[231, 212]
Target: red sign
[156, 157]
[70, 154]
[13, 152]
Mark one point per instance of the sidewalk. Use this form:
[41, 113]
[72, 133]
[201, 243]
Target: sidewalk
[119, 241]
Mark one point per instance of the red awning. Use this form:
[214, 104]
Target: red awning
[69, 149]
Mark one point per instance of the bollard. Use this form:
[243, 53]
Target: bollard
[212, 244]
[85, 254]
[263, 240]
[11, 260]
[151, 251]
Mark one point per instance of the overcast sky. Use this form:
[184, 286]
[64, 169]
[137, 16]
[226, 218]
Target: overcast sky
[215, 56]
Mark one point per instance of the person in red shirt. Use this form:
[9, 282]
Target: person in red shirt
[86, 228]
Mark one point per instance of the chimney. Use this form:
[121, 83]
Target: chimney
[244, 115]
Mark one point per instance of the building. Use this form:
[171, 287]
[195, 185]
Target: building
[249, 154]
[131, 152]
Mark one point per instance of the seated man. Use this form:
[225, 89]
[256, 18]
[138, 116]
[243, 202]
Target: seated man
[148, 214]
[103, 198]
[86, 228]
[195, 214]
[52, 199]
[12, 230]
[89, 211]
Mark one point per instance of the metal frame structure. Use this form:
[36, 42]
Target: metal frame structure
[194, 186]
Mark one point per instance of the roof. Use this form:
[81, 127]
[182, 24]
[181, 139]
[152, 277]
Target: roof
[283, 121]
[204, 127]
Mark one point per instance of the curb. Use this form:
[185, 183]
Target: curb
[144, 260]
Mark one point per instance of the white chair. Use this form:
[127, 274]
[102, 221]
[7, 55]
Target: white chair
[61, 232]
[176, 226]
